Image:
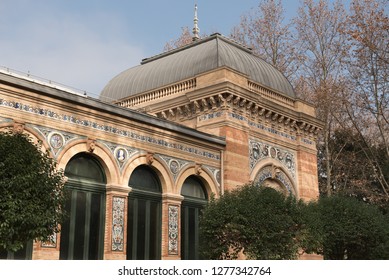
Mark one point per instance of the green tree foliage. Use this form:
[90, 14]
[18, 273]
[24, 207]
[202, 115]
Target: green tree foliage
[259, 222]
[346, 228]
[31, 193]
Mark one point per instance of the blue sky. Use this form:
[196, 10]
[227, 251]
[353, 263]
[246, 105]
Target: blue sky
[85, 43]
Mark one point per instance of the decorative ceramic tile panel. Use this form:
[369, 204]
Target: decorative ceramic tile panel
[118, 223]
[173, 229]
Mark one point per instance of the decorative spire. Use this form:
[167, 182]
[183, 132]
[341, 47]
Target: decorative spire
[196, 29]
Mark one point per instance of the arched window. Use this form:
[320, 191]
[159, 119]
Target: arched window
[82, 234]
[144, 215]
[195, 198]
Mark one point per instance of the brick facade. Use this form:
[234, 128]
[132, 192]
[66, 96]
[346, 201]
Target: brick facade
[219, 126]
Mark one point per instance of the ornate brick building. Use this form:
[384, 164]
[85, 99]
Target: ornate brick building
[143, 159]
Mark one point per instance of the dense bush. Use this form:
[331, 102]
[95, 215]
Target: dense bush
[262, 223]
[31, 192]
[346, 228]
[259, 222]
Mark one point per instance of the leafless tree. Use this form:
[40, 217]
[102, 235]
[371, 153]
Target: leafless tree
[185, 38]
[365, 98]
[318, 28]
[264, 31]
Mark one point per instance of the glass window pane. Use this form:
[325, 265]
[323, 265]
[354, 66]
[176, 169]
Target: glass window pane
[79, 235]
[94, 228]
[154, 230]
[194, 201]
[140, 255]
[144, 178]
[144, 215]
[193, 187]
[130, 228]
[83, 167]
[64, 243]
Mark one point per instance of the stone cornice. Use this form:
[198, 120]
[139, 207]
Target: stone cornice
[252, 110]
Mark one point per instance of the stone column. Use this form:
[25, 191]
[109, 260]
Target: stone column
[115, 242]
[171, 226]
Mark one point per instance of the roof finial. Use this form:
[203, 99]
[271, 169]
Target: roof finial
[196, 29]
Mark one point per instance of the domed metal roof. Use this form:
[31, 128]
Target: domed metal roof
[201, 56]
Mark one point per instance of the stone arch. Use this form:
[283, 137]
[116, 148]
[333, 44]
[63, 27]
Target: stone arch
[98, 151]
[273, 174]
[203, 175]
[155, 164]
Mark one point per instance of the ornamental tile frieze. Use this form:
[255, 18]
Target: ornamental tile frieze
[248, 111]
[260, 151]
[91, 124]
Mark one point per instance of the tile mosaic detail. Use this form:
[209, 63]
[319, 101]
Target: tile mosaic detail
[175, 165]
[210, 116]
[173, 211]
[121, 153]
[56, 139]
[118, 223]
[263, 127]
[269, 172]
[260, 151]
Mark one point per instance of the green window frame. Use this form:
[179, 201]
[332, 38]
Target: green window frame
[144, 226]
[82, 234]
[195, 198]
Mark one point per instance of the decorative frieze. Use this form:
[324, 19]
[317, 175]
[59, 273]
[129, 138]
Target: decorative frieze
[118, 223]
[248, 111]
[91, 124]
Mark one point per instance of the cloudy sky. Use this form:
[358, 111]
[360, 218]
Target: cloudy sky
[85, 43]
